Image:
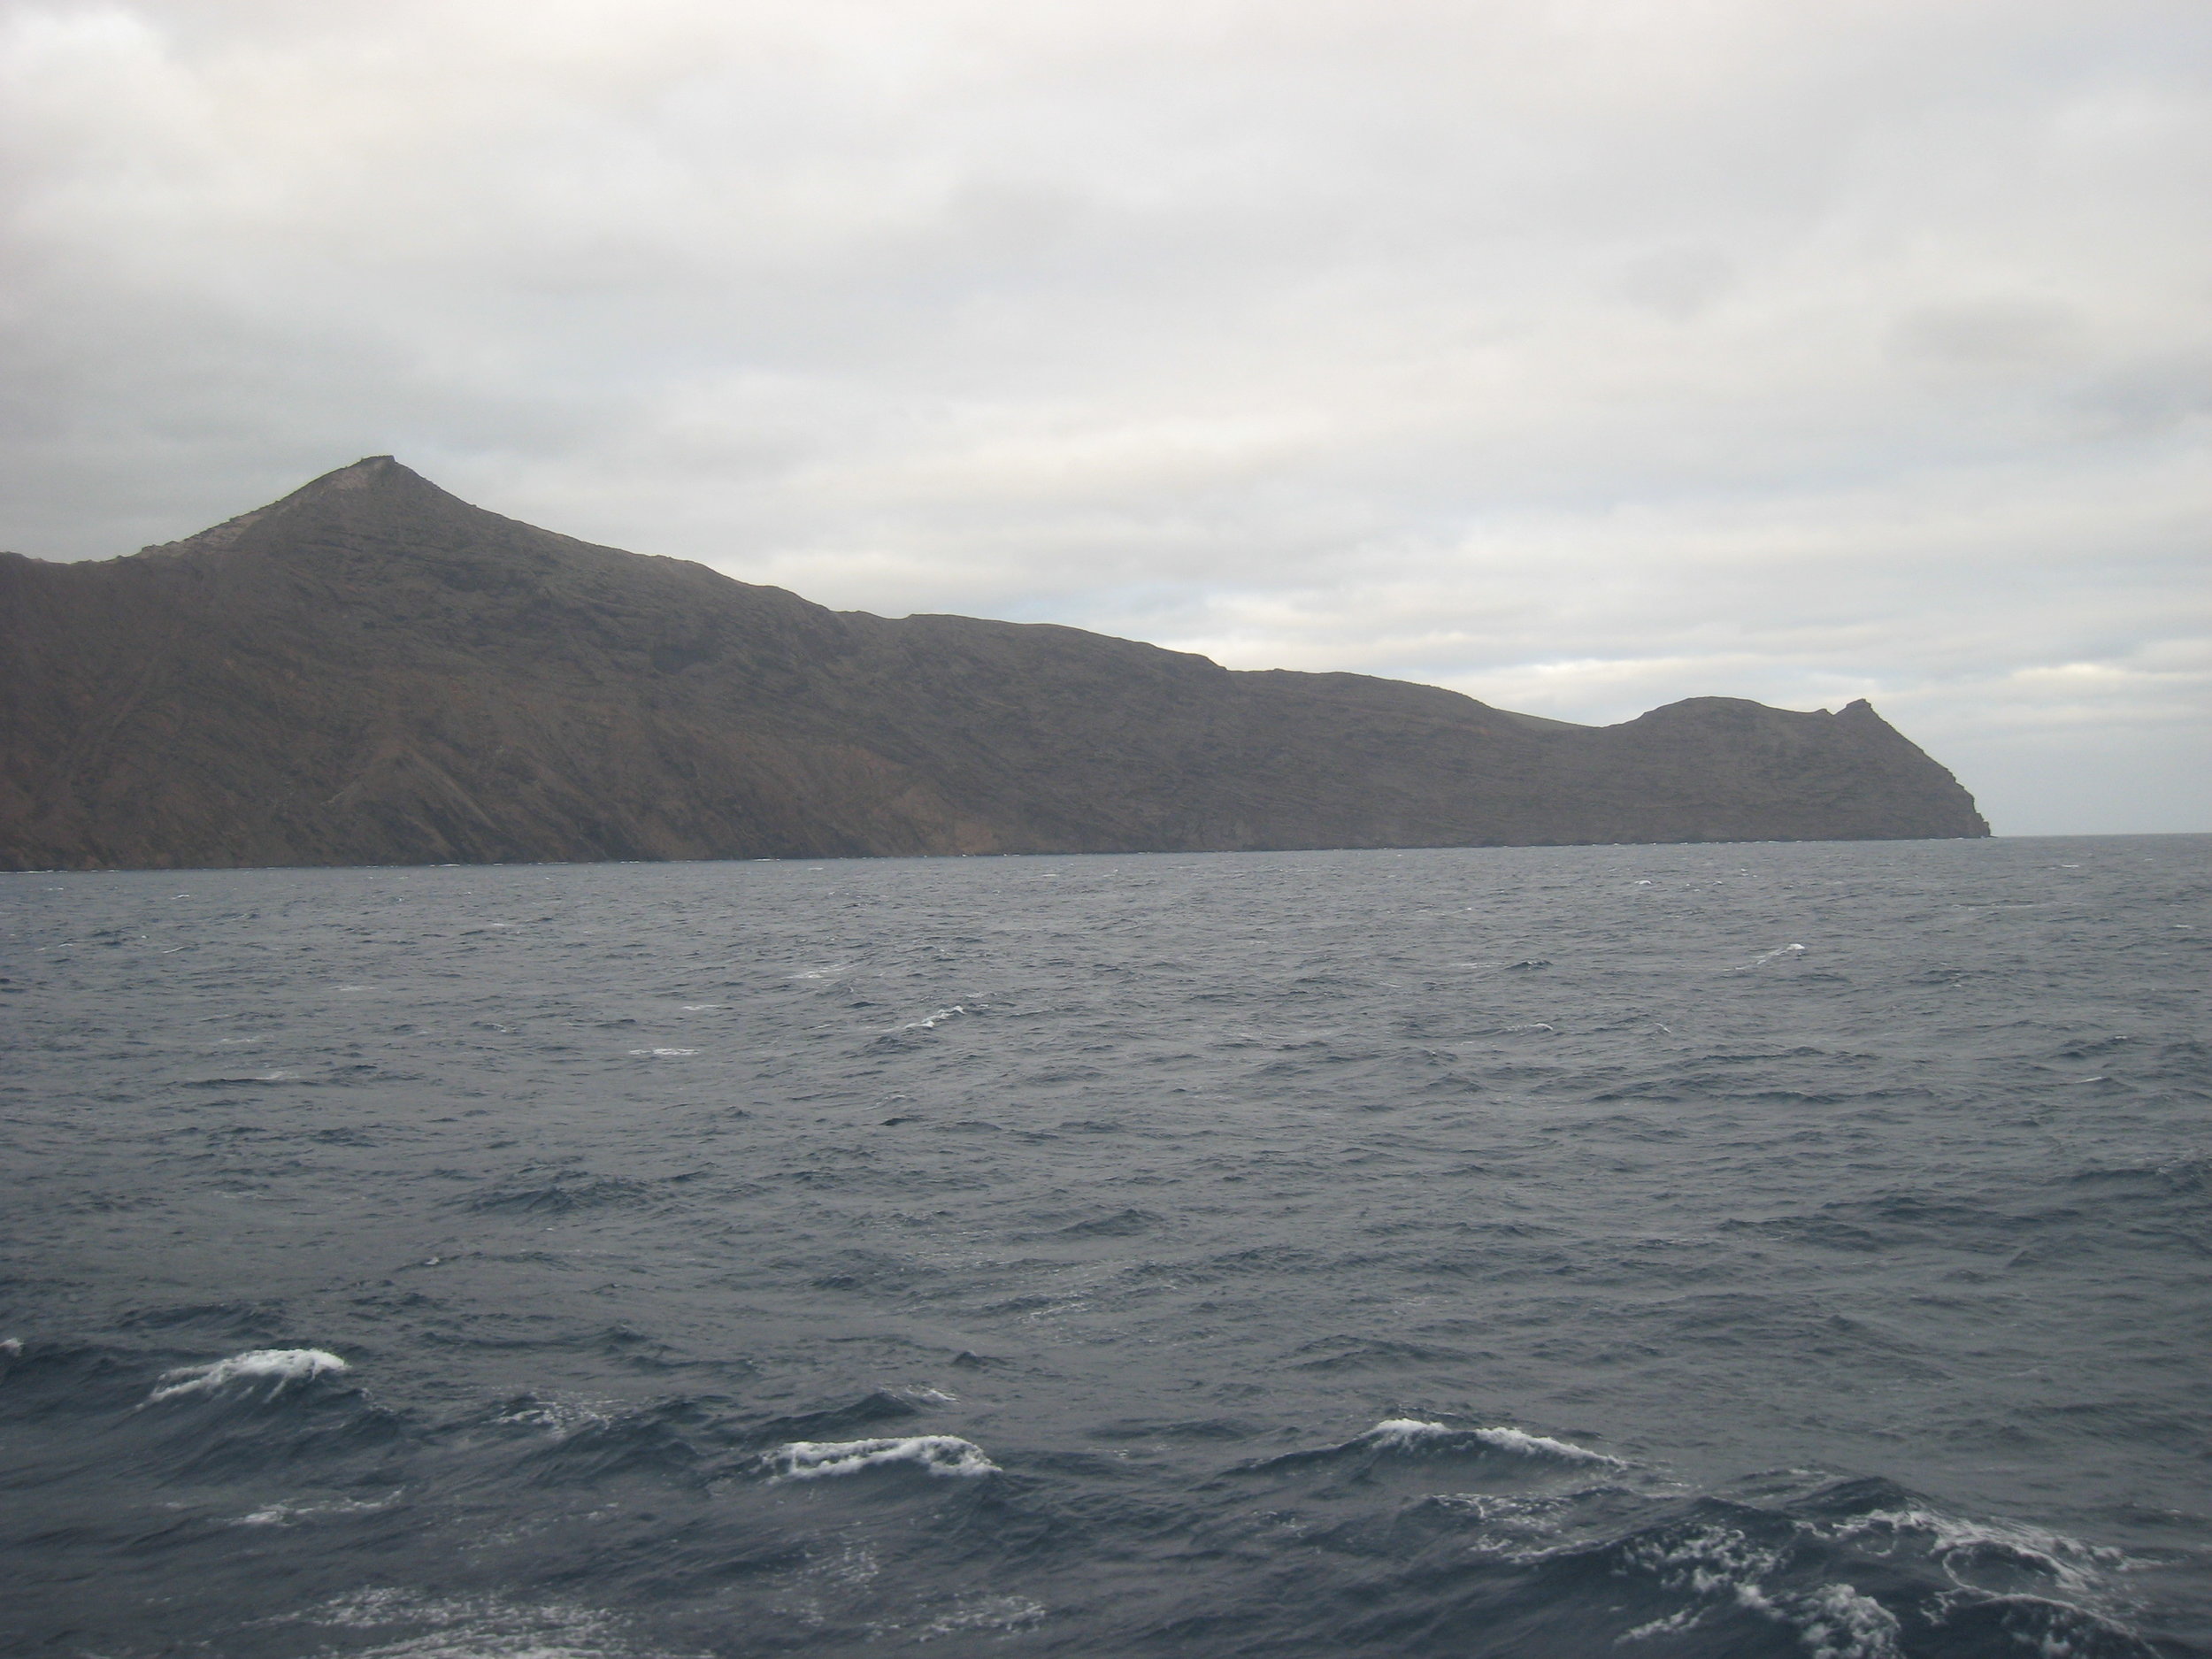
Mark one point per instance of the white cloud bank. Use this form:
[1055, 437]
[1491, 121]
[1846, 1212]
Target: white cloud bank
[1581, 355]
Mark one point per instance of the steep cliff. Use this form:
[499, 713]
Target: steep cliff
[372, 671]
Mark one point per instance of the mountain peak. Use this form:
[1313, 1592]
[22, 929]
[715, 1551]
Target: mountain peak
[376, 485]
[370, 469]
[370, 472]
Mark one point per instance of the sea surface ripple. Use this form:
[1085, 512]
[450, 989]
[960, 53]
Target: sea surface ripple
[1758, 1250]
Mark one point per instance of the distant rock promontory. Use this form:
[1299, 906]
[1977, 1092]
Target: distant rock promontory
[372, 672]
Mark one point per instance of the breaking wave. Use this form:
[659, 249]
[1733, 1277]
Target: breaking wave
[934, 1453]
[278, 1367]
[1417, 1442]
[1414, 1435]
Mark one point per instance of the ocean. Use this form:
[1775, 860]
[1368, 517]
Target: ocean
[1648, 1251]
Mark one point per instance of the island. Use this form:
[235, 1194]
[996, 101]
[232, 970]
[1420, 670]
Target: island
[372, 672]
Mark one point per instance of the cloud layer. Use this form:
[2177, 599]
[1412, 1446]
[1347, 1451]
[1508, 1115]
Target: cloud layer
[1581, 356]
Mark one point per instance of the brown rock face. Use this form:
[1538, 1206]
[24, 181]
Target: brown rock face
[372, 671]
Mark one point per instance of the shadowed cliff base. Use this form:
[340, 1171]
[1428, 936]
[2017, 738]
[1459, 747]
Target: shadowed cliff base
[372, 672]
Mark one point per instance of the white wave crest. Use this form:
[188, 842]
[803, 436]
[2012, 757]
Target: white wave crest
[282, 1514]
[1785, 950]
[279, 1367]
[561, 1416]
[938, 1454]
[1406, 1432]
[932, 1023]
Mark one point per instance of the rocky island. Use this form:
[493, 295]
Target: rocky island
[370, 670]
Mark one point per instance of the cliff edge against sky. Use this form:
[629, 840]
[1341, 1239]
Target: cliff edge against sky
[372, 672]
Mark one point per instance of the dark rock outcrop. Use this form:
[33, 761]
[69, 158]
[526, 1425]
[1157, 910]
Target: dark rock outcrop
[372, 671]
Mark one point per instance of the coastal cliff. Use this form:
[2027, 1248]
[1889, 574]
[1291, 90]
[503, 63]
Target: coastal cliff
[373, 672]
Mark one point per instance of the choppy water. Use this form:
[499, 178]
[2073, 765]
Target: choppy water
[1651, 1251]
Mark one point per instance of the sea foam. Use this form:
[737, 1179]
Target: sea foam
[1725, 1569]
[278, 1367]
[938, 1454]
[477, 1627]
[1961, 1545]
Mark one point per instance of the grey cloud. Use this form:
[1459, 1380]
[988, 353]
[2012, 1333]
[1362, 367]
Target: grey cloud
[2002, 331]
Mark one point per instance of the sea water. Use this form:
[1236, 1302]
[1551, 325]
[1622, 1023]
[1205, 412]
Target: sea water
[1767, 1249]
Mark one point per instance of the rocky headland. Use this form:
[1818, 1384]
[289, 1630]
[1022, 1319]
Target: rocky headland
[373, 672]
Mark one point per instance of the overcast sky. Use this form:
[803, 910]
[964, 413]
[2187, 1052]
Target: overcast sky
[1580, 356]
